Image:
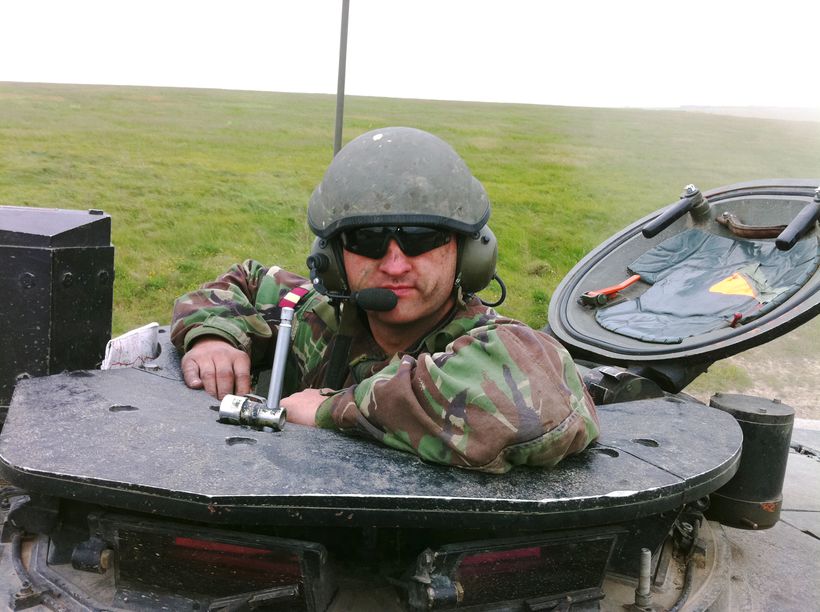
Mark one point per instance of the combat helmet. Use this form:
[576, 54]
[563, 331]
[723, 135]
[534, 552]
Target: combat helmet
[402, 176]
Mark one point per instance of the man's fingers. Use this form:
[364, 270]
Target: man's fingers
[233, 373]
[224, 377]
[217, 367]
[242, 374]
[190, 373]
[207, 371]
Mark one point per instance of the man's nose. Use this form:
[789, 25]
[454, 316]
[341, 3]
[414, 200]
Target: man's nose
[394, 262]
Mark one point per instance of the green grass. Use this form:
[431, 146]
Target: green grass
[198, 179]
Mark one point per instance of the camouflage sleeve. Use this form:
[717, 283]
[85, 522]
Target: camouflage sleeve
[232, 307]
[501, 395]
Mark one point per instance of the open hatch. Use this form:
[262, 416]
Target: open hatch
[705, 278]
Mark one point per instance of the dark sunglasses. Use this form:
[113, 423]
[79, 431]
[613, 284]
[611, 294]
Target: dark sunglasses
[413, 240]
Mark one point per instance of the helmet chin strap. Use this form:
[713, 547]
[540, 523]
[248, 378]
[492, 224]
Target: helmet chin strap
[376, 299]
[458, 292]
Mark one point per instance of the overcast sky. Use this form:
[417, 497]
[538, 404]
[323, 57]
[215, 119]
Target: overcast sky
[647, 53]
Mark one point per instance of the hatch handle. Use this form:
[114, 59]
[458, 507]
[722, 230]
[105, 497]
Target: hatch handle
[690, 198]
[738, 228]
[599, 297]
[802, 223]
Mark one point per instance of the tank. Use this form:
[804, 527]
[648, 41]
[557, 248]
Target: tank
[125, 492]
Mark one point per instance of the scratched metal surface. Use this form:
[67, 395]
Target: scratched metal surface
[141, 440]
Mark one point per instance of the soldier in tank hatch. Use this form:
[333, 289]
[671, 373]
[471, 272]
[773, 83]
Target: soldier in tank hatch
[389, 339]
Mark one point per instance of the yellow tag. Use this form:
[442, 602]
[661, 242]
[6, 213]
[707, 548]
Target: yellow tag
[736, 284]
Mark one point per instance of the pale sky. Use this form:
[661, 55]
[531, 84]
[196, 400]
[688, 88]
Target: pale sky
[646, 53]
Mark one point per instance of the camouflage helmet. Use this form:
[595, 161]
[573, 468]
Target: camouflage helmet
[403, 176]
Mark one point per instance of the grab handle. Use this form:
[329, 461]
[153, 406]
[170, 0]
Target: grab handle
[690, 198]
[802, 223]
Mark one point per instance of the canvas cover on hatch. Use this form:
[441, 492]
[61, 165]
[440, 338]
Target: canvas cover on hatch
[702, 282]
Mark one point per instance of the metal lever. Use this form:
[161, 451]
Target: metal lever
[802, 223]
[690, 199]
[254, 410]
[277, 374]
[251, 410]
[600, 297]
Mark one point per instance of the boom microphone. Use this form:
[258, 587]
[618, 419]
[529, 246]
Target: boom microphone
[376, 298]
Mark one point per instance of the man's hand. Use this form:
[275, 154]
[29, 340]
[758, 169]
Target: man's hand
[217, 366]
[302, 406]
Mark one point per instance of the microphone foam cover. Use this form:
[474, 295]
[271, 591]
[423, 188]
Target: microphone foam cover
[376, 298]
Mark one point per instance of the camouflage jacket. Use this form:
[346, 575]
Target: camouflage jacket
[480, 391]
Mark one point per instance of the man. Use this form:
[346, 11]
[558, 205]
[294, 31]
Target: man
[432, 370]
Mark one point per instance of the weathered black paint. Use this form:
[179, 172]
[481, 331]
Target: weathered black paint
[172, 457]
[754, 496]
[56, 279]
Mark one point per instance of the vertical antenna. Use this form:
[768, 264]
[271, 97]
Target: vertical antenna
[340, 89]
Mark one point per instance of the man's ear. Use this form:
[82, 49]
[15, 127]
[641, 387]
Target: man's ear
[331, 274]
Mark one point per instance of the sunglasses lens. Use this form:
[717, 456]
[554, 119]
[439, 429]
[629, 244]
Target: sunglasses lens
[417, 240]
[372, 242]
[367, 241]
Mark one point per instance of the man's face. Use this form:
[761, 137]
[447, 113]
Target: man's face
[423, 283]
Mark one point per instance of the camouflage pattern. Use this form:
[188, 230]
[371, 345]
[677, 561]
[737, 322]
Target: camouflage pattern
[481, 391]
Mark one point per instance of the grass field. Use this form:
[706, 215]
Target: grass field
[198, 179]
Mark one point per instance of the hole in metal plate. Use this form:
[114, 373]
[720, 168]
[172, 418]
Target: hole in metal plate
[233, 440]
[122, 408]
[609, 452]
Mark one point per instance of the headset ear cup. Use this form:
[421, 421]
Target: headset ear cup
[478, 259]
[332, 276]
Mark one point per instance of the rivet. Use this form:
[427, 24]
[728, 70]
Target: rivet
[27, 280]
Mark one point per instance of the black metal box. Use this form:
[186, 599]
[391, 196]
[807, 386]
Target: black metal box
[56, 283]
